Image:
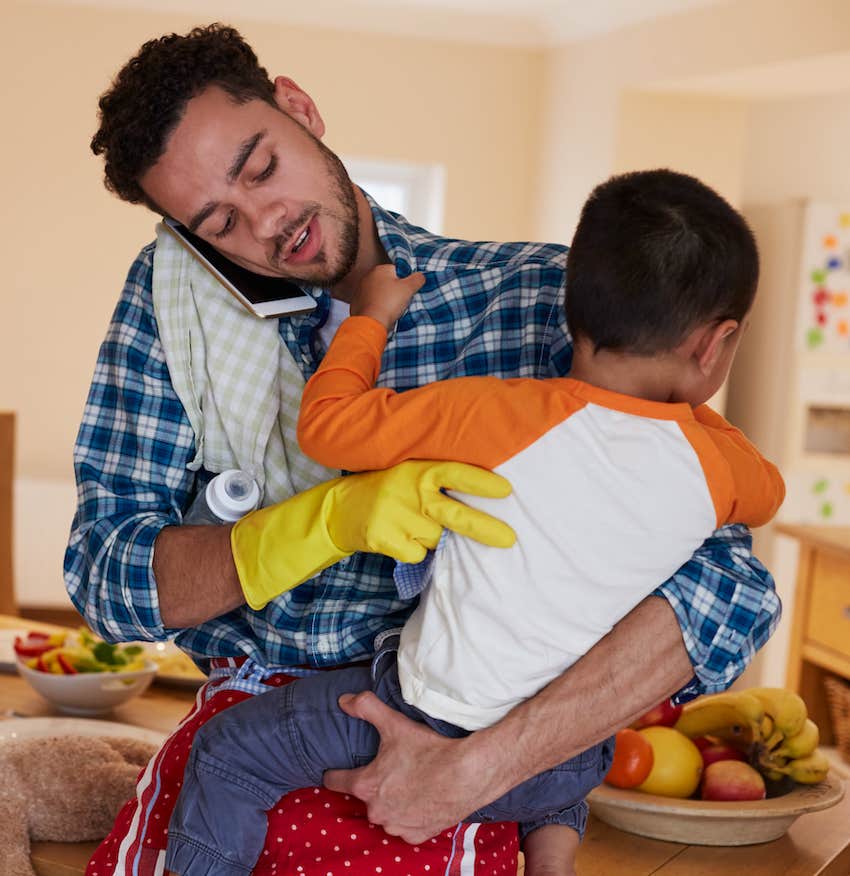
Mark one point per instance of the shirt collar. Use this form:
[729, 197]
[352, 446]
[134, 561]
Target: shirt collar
[393, 234]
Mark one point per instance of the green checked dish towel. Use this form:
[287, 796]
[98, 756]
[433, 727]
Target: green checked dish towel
[233, 374]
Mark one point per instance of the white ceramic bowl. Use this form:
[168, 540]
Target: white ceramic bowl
[88, 693]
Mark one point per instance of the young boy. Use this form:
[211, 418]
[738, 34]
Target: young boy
[619, 473]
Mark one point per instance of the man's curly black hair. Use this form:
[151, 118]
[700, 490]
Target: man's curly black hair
[148, 97]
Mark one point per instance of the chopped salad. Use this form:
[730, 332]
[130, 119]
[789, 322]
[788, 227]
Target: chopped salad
[70, 653]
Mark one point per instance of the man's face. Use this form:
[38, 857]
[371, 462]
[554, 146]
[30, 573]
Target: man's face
[260, 188]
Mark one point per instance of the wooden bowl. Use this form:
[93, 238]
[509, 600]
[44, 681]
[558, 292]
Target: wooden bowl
[709, 823]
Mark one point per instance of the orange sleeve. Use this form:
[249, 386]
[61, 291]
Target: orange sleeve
[756, 490]
[346, 422]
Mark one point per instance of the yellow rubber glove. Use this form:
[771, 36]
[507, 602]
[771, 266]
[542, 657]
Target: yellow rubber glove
[399, 512]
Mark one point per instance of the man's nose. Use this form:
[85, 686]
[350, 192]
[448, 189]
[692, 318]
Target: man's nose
[268, 219]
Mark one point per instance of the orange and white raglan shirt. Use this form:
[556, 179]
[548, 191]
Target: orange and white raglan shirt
[611, 495]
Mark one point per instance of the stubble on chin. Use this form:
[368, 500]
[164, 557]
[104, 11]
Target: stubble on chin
[322, 272]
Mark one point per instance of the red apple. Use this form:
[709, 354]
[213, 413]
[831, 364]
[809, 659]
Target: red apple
[702, 742]
[732, 780]
[716, 751]
[664, 714]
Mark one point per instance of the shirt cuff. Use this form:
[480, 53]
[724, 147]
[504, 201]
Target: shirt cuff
[109, 577]
[726, 605]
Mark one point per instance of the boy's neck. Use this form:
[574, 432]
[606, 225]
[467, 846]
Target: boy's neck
[648, 377]
[370, 251]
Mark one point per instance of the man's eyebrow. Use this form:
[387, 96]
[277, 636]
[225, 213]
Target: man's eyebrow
[243, 155]
[246, 149]
[201, 215]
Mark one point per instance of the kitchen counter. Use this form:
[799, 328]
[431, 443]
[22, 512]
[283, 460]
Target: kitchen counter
[816, 845]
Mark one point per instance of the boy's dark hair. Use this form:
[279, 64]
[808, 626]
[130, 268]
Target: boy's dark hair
[655, 255]
[148, 97]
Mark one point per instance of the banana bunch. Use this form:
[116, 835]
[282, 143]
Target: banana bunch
[737, 717]
[770, 723]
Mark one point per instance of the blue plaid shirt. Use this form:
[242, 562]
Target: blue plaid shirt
[485, 308]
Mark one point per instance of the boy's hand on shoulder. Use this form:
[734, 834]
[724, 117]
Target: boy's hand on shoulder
[384, 296]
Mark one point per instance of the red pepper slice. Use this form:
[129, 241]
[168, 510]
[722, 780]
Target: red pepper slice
[33, 645]
[40, 665]
[65, 663]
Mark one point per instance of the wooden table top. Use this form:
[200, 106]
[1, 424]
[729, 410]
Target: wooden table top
[816, 845]
[833, 538]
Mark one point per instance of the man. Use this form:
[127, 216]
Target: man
[194, 128]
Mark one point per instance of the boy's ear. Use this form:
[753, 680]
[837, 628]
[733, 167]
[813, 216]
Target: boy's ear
[704, 345]
[297, 104]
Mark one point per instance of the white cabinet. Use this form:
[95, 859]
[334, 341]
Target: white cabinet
[790, 386]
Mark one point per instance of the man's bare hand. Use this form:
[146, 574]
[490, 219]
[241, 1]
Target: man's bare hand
[419, 783]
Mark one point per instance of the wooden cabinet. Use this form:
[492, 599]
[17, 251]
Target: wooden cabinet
[820, 626]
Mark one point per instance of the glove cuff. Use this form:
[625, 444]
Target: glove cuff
[277, 548]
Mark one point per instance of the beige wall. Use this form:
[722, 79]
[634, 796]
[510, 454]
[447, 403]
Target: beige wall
[798, 149]
[702, 136]
[67, 243]
[586, 82]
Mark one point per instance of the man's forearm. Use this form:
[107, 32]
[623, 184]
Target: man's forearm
[642, 661]
[195, 576]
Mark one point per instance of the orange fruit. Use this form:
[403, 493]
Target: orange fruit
[676, 766]
[632, 760]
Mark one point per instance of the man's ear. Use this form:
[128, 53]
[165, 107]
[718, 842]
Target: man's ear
[297, 104]
[704, 345]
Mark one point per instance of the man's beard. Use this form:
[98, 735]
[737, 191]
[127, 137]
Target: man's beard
[349, 221]
[328, 273]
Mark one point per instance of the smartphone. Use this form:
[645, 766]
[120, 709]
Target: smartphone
[263, 296]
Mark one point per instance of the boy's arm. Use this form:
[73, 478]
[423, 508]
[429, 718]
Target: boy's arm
[347, 423]
[757, 488]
